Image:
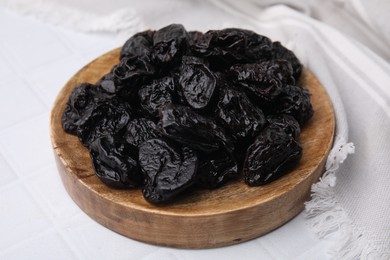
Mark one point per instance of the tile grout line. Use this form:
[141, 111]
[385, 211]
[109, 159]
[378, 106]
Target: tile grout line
[55, 225]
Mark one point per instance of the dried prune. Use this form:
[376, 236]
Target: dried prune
[237, 114]
[106, 118]
[263, 80]
[79, 106]
[215, 170]
[155, 94]
[185, 126]
[280, 52]
[294, 101]
[270, 155]
[113, 164]
[140, 130]
[168, 169]
[191, 109]
[198, 85]
[230, 46]
[288, 123]
[140, 44]
[170, 42]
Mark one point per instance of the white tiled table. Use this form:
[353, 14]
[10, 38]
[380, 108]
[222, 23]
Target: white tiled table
[38, 220]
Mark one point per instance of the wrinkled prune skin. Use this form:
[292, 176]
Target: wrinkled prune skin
[280, 52]
[80, 103]
[140, 130]
[288, 123]
[184, 109]
[294, 101]
[187, 127]
[168, 169]
[264, 80]
[229, 46]
[112, 163]
[106, 118]
[216, 170]
[198, 85]
[129, 73]
[237, 114]
[140, 44]
[270, 156]
[155, 94]
[170, 42]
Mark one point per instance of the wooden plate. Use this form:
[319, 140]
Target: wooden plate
[231, 214]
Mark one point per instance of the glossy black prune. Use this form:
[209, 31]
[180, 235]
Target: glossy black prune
[230, 46]
[280, 52]
[170, 42]
[79, 106]
[294, 101]
[264, 80]
[140, 44]
[237, 114]
[270, 156]
[168, 169]
[106, 118]
[155, 94]
[113, 164]
[140, 130]
[198, 85]
[216, 170]
[288, 123]
[191, 109]
[184, 125]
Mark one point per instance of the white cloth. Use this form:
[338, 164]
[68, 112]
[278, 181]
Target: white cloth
[351, 202]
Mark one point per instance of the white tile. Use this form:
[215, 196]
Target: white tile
[94, 241]
[27, 145]
[12, 24]
[85, 42]
[283, 245]
[20, 216]
[164, 254]
[318, 252]
[49, 246]
[50, 79]
[7, 174]
[247, 250]
[35, 48]
[18, 102]
[47, 186]
[6, 70]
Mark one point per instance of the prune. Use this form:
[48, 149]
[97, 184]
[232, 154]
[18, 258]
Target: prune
[140, 130]
[263, 80]
[106, 118]
[229, 46]
[168, 169]
[294, 101]
[130, 73]
[198, 85]
[191, 109]
[78, 107]
[272, 153]
[187, 127]
[155, 94]
[237, 114]
[288, 123]
[215, 170]
[113, 164]
[280, 52]
[170, 42]
[140, 44]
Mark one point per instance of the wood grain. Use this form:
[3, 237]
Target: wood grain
[200, 219]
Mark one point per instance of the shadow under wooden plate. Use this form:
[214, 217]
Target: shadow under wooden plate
[201, 219]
